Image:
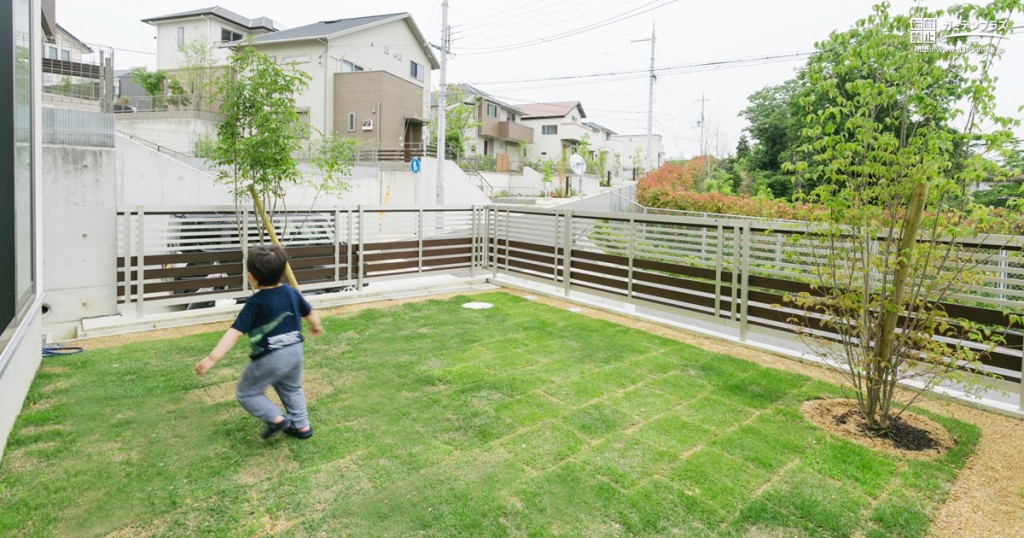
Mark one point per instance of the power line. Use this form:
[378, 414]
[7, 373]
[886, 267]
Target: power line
[600, 24]
[661, 70]
[510, 17]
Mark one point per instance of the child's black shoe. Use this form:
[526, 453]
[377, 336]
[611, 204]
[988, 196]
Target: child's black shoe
[294, 432]
[272, 429]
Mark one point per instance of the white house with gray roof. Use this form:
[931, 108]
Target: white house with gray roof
[369, 77]
[218, 26]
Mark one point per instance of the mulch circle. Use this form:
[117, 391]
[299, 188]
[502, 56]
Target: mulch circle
[910, 435]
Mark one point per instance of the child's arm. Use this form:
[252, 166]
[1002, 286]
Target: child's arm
[226, 343]
[314, 323]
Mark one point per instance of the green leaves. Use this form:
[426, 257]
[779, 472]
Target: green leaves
[879, 127]
[261, 133]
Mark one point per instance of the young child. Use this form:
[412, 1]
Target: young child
[271, 319]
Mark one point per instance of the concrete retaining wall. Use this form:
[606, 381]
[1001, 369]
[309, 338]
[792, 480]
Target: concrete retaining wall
[78, 235]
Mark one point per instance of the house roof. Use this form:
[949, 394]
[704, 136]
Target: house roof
[472, 91]
[340, 27]
[598, 127]
[221, 13]
[550, 110]
[84, 47]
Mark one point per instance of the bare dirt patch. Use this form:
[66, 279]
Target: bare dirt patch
[312, 387]
[189, 330]
[912, 436]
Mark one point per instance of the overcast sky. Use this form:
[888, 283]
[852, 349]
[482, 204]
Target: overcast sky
[502, 47]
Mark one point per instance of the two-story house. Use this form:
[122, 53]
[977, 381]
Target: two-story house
[634, 154]
[605, 152]
[219, 27]
[369, 77]
[64, 46]
[498, 135]
[557, 127]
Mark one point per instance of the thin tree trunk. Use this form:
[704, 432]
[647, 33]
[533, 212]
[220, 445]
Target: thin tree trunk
[883, 366]
[273, 236]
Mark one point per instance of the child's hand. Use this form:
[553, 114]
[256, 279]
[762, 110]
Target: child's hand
[316, 330]
[204, 365]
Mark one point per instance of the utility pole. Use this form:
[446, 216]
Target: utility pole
[702, 137]
[442, 105]
[650, 98]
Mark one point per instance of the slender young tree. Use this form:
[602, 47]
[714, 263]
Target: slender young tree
[196, 71]
[258, 142]
[893, 142]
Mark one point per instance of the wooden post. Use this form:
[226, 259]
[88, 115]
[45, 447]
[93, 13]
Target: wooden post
[273, 235]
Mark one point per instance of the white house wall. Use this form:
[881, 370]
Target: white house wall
[208, 28]
[366, 49]
[633, 143]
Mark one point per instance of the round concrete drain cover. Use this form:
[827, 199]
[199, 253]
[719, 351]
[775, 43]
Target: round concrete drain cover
[477, 306]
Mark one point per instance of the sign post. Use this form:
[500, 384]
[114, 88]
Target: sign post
[579, 166]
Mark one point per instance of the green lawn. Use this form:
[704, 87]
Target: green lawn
[436, 420]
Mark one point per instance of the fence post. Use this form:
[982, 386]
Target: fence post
[419, 235]
[127, 256]
[632, 252]
[735, 282]
[745, 286]
[491, 242]
[778, 250]
[361, 269]
[348, 245]
[508, 248]
[245, 248]
[472, 240]
[1001, 285]
[337, 245]
[720, 252]
[567, 252]
[141, 287]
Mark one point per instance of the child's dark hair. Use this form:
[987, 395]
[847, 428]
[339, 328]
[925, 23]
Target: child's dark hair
[266, 263]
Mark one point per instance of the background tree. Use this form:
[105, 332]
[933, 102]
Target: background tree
[151, 82]
[257, 144]
[459, 118]
[893, 177]
[196, 69]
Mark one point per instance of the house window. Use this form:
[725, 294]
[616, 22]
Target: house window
[304, 59]
[416, 71]
[51, 52]
[492, 110]
[351, 121]
[511, 117]
[549, 129]
[17, 232]
[348, 67]
[228, 35]
[607, 136]
[65, 55]
[181, 36]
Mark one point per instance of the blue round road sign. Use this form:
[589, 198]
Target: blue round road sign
[414, 165]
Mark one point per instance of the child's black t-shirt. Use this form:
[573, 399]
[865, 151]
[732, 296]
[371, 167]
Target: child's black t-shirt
[272, 319]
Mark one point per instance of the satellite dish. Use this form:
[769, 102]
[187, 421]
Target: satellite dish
[577, 164]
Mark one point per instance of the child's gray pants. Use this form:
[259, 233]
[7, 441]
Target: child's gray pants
[281, 369]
